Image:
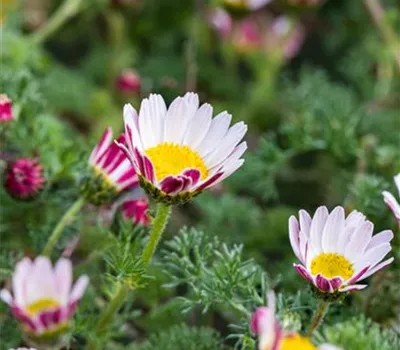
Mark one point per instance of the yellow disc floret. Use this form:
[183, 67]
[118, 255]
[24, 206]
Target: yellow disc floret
[296, 342]
[171, 159]
[332, 265]
[41, 305]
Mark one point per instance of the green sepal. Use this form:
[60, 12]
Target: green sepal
[162, 197]
[97, 188]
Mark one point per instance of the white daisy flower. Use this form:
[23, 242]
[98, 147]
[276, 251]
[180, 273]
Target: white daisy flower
[43, 297]
[391, 201]
[337, 252]
[271, 336]
[180, 151]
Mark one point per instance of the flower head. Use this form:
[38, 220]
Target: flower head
[391, 201]
[136, 210]
[179, 152]
[281, 36]
[43, 298]
[128, 82]
[6, 112]
[337, 252]
[271, 336]
[250, 5]
[110, 171]
[24, 178]
[221, 21]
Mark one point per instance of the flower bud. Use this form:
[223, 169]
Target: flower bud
[128, 82]
[6, 112]
[109, 172]
[24, 178]
[136, 210]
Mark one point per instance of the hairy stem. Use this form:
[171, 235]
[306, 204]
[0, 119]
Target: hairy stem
[108, 313]
[158, 226]
[58, 230]
[67, 10]
[318, 317]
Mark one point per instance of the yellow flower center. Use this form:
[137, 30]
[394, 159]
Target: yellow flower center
[41, 305]
[172, 159]
[332, 265]
[296, 342]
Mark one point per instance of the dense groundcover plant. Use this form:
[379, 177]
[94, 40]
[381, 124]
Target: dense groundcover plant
[199, 175]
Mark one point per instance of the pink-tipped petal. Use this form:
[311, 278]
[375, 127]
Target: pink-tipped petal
[22, 272]
[358, 276]
[101, 146]
[172, 184]
[380, 238]
[302, 271]
[209, 182]
[258, 318]
[336, 282]
[149, 169]
[323, 284]
[377, 268]
[194, 174]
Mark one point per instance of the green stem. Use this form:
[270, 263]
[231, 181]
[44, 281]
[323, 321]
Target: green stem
[58, 230]
[158, 226]
[318, 317]
[107, 315]
[68, 9]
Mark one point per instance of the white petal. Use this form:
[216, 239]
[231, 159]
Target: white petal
[79, 288]
[317, 227]
[227, 145]
[198, 126]
[192, 101]
[328, 347]
[359, 241]
[6, 296]
[294, 236]
[145, 125]
[175, 120]
[377, 268]
[41, 282]
[397, 182]
[233, 158]
[305, 222]
[158, 111]
[131, 120]
[374, 255]
[382, 237]
[23, 271]
[63, 272]
[333, 228]
[218, 129]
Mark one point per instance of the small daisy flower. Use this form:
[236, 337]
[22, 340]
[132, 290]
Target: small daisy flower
[24, 178]
[337, 252]
[271, 336]
[128, 82]
[6, 112]
[110, 171]
[44, 299]
[179, 152]
[251, 5]
[391, 201]
[136, 210]
[221, 20]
